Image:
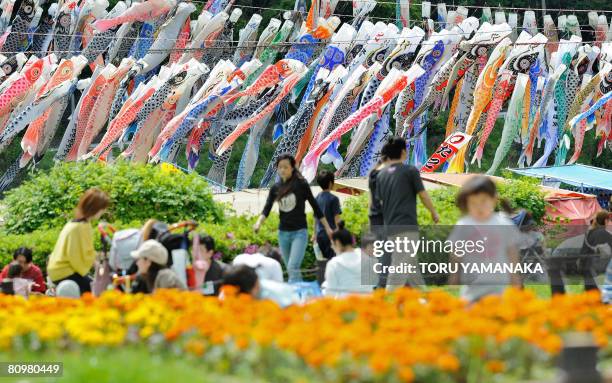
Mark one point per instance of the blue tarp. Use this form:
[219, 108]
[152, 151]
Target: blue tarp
[581, 176]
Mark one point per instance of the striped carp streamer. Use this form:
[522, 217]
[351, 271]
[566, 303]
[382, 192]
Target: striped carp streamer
[151, 81]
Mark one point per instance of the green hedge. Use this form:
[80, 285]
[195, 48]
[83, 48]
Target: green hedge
[138, 192]
[522, 194]
[41, 242]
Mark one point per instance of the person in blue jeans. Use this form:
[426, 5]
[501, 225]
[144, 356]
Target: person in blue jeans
[291, 193]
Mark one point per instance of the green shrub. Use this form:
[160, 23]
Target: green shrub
[236, 233]
[444, 202]
[355, 213]
[138, 192]
[355, 210]
[524, 193]
[41, 242]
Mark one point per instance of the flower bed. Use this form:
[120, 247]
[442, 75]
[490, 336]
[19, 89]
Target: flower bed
[410, 335]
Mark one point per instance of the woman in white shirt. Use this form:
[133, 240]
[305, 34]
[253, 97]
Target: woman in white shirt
[343, 272]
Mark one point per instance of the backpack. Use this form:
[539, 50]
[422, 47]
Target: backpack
[122, 245]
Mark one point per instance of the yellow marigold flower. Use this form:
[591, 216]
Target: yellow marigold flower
[146, 332]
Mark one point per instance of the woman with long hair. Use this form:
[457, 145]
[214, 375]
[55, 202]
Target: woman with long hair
[291, 193]
[74, 254]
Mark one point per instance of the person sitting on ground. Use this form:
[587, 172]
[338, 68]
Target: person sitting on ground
[153, 272]
[330, 205]
[12, 273]
[29, 270]
[267, 266]
[242, 277]
[74, 253]
[249, 281]
[343, 272]
[203, 252]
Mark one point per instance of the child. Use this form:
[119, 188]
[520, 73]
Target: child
[23, 256]
[12, 273]
[330, 205]
[209, 271]
[477, 200]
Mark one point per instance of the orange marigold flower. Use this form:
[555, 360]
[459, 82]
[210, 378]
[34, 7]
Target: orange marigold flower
[495, 366]
[406, 374]
[242, 343]
[448, 362]
[380, 362]
[195, 347]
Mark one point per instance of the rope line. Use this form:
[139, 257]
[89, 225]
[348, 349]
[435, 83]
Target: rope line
[556, 10]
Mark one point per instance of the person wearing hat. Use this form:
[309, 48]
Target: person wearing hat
[153, 272]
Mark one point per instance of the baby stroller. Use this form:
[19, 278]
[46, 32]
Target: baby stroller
[531, 243]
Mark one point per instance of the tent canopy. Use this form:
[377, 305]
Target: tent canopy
[575, 175]
[358, 185]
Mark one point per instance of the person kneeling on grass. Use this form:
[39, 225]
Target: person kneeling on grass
[153, 272]
[343, 272]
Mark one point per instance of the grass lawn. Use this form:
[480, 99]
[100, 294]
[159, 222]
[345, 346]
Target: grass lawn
[129, 364]
[573, 286]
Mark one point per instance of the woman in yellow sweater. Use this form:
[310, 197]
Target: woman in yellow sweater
[74, 254]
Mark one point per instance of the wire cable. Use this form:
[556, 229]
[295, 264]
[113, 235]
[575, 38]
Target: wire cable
[556, 10]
